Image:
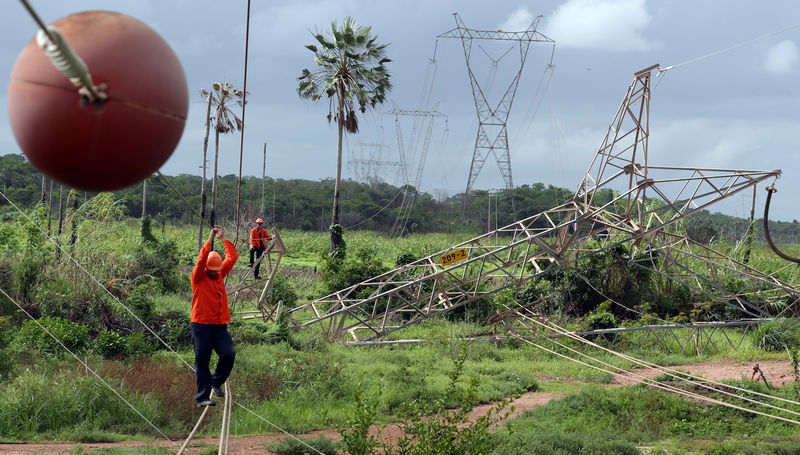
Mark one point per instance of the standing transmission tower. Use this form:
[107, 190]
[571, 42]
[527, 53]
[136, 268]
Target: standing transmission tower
[492, 137]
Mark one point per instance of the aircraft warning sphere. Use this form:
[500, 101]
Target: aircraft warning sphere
[113, 144]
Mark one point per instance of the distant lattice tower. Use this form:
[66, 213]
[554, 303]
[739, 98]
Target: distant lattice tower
[492, 137]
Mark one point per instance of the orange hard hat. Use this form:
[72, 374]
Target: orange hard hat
[214, 261]
[259, 220]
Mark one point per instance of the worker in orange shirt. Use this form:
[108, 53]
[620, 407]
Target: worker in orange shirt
[258, 243]
[210, 316]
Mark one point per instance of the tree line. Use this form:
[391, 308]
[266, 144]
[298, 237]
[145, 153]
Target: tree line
[306, 204]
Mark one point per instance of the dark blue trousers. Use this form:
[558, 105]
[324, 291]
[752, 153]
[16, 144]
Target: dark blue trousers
[208, 337]
[257, 252]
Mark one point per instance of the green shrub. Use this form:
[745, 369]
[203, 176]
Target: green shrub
[777, 335]
[7, 366]
[601, 320]
[282, 290]
[174, 327]
[405, 258]
[292, 446]
[555, 443]
[74, 336]
[140, 303]
[110, 345]
[161, 260]
[339, 274]
[137, 346]
[7, 273]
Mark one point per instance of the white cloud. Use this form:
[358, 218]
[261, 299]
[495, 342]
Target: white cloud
[518, 21]
[612, 25]
[781, 58]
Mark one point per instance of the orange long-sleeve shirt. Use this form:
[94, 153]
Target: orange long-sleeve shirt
[209, 297]
[259, 237]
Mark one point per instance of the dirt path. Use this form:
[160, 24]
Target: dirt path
[777, 372]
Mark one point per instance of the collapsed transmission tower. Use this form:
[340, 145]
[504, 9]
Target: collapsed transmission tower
[646, 201]
[492, 137]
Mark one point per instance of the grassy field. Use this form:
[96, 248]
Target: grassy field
[301, 382]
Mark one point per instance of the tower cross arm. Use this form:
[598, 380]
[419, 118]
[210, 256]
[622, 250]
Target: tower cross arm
[468, 33]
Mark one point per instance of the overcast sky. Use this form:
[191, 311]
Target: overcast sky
[738, 109]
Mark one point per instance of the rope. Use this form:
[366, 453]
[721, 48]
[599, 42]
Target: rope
[164, 343]
[194, 430]
[695, 380]
[36, 18]
[241, 140]
[175, 190]
[88, 368]
[768, 35]
[652, 383]
[61, 55]
[652, 365]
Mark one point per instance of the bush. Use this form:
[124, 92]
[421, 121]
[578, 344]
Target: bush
[7, 365]
[161, 260]
[602, 318]
[292, 446]
[555, 443]
[282, 290]
[137, 346]
[174, 328]
[110, 345]
[777, 335]
[74, 336]
[339, 274]
[113, 346]
[140, 303]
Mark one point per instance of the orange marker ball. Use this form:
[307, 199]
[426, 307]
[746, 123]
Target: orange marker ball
[114, 144]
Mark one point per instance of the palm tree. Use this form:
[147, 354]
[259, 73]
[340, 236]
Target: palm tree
[350, 69]
[224, 121]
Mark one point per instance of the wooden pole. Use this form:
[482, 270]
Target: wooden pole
[203, 180]
[49, 206]
[144, 197]
[194, 430]
[60, 220]
[74, 235]
[263, 177]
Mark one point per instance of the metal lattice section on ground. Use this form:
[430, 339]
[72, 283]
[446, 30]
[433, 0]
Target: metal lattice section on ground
[265, 307]
[621, 200]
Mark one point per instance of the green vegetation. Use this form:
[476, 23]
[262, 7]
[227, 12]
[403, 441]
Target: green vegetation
[298, 380]
[291, 446]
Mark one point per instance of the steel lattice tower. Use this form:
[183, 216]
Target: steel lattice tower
[492, 137]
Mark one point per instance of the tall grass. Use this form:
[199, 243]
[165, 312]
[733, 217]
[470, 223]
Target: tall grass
[36, 405]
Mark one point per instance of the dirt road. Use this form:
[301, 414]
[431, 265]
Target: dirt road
[778, 373]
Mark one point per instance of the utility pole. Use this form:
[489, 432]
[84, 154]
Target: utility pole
[492, 136]
[273, 205]
[49, 206]
[144, 197]
[60, 220]
[263, 177]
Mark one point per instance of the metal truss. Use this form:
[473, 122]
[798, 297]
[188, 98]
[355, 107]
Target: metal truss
[695, 338]
[265, 307]
[492, 137]
[609, 208]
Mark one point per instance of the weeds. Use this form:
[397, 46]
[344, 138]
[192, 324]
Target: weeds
[291, 446]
